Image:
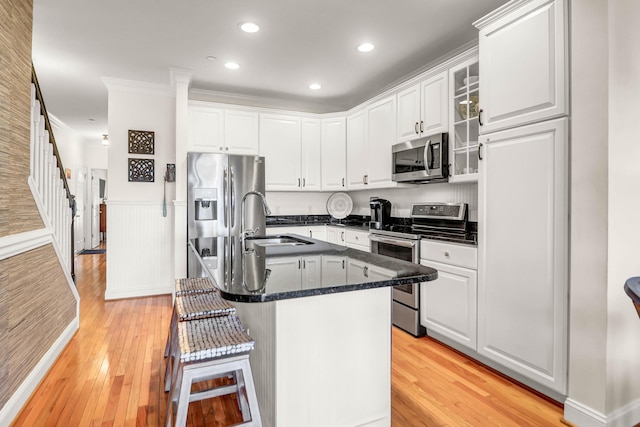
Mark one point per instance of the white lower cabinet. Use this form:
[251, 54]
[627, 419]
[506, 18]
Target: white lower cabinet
[336, 235]
[448, 305]
[304, 271]
[334, 270]
[361, 272]
[357, 239]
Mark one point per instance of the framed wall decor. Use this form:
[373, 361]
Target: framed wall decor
[141, 142]
[141, 170]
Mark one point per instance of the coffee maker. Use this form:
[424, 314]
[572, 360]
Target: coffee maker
[380, 213]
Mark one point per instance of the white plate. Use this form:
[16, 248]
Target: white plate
[470, 80]
[339, 205]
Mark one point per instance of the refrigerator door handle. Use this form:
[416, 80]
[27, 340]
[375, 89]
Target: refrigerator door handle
[225, 186]
[233, 200]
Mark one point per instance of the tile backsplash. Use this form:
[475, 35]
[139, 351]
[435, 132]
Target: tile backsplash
[315, 203]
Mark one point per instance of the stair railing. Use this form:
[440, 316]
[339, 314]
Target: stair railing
[56, 202]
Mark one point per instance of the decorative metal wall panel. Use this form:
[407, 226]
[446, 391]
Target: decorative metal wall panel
[141, 142]
[141, 170]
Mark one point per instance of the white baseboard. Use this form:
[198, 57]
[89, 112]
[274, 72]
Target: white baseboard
[583, 416]
[137, 293]
[29, 385]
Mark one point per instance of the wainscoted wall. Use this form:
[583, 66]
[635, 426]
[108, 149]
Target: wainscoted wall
[38, 306]
[140, 257]
[302, 203]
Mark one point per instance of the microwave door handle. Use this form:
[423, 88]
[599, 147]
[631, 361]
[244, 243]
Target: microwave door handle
[402, 243]
[427, 162]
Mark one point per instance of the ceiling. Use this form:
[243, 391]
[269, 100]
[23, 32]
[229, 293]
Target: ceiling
[77, 42]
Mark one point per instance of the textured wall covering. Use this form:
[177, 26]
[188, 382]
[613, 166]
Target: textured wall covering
[36, 303]
[36, 307]
[18, 212]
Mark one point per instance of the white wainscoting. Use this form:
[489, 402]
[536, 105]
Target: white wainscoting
[140, 249]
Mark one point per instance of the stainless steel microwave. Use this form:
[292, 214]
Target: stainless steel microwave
[421, 160]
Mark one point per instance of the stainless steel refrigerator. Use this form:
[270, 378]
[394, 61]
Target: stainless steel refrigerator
[220, 189]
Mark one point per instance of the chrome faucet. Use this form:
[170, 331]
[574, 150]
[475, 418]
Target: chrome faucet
[246, 233]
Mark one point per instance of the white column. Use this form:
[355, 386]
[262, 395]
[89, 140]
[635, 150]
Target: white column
[180, 82]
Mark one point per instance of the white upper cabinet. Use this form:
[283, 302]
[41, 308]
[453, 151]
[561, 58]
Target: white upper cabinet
[523, 64]
[220, 130]
[206, 129]
[241, 131]
[280, 144]
[381, 124]
[357, 150]
[334, 154]
[463, 138]
[370, 135]
[422, 108]
[311, 174]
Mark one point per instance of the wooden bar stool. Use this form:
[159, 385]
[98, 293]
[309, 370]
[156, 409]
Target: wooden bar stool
[210, 348]
[191, 307]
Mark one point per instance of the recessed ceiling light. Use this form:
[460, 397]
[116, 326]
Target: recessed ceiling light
[211, 58]
[315, 86]
[249, 27]
[232, 65]
[366, 47]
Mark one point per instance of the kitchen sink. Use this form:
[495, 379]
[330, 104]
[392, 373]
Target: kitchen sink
[278, 241]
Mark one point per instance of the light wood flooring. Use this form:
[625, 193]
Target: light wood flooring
[111, 374]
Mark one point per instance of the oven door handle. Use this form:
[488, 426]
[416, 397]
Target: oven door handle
[396, 242]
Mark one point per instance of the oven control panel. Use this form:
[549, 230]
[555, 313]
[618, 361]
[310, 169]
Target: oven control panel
[453, 211]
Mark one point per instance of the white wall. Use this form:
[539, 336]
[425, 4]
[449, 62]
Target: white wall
[71, 149]
[623, 326]
[96, 155]
[141, 239]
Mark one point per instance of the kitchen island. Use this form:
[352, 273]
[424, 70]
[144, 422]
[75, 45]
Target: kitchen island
[320, 315]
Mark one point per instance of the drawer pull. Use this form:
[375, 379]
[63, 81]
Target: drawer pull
[447, 254]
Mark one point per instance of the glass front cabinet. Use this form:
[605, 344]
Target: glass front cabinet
[463, 139]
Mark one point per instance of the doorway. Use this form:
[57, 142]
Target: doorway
[98, 191]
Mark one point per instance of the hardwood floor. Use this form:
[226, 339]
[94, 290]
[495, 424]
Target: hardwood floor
[111, 374]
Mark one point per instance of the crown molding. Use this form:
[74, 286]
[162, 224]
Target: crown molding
[119, 85]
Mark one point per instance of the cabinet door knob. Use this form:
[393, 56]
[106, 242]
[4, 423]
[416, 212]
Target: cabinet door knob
[415, 127]
[421, 126]
[365, 270]
[304, 182]
[342, 236]
[480, 116]
[343, 182]
[480, 151]
[447, 254]
[298, 182]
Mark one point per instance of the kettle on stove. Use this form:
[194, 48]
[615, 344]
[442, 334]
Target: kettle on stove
[380, 212]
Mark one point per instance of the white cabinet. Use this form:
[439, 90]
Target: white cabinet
[206, 128]
[294, 273]
[334, 270]
[465, 105]
[370, 135]
[280, 145]
[241, 132]
[362, 272]
[311, 152]
[336, 235]
[523, 267]
[448, 305]
[523, 64]
[219, 130]
[357, 155]
[422, 108]
[291, 147]
[334, 154]
[357, 239]
[381, 133]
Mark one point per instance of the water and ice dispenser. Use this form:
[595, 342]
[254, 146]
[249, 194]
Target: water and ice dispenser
[206, 204]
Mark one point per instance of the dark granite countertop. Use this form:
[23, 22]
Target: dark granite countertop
[358, 222]
[259, 273]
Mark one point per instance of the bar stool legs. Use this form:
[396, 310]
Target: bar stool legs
[191, 372]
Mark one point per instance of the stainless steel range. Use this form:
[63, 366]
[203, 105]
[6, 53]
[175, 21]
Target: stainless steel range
[439, 221]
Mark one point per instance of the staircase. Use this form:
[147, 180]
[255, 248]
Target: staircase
[48, 180]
